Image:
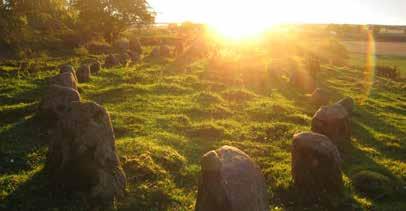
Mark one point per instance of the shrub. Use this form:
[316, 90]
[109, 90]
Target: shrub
[391, 72]
[98, 47]
[81, 51]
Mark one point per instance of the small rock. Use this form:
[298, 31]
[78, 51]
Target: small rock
[230, 181]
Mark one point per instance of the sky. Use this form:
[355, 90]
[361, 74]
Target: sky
[268, 12]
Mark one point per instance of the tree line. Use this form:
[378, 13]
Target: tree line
[53, 24]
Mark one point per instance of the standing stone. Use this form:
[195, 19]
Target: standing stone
[135, 46]
[164, 51]
[55, 101]
[68, 68]
[179, 48]
[111, 61]
[82, 155]
[347, 103]
[303, 81]
[124, 59]
[316, 165]
[320, 97]
[230, 181]
[65, 79]
[334, 122]
[83, 73]
[155, 53]
[95, 67]
[135, 57]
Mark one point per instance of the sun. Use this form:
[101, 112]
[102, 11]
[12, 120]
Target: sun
[237, 30]
[242, 20]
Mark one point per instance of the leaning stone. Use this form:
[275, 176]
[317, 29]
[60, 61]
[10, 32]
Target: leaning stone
[230, 181]
[83, 73]
[347, 103]
[334, 122]
[55, 101]
[320, 97]
[316, 165]
[82, 155]
[65, 79]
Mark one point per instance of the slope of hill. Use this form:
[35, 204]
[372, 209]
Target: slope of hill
[166, 116]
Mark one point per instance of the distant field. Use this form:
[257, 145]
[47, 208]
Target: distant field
[387, 53]
[382, 48]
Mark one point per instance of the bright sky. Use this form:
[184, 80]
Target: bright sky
[267, 12]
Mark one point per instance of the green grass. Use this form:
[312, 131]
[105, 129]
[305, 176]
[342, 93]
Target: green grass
[399, 61]
[166, 118]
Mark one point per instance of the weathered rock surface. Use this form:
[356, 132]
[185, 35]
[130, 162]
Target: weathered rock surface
[135, 46]
[135, 57]
[303, 81]
[230, 181]
[55, 101]
[95, 67]
[316, 165]
[68, 68]
[83, 73]
[82, 155]
[124, 58]
[348, 104]
[111, 61]
[334, 122]
[164, 51]
[155, 53]
[320, 97]
[65, 79]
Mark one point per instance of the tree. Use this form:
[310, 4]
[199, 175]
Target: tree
[109, 18]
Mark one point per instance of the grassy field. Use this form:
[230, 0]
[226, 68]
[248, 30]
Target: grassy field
[166, 116]
[382, 48]
[386, 53]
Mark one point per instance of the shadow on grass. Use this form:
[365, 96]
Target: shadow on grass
[35, 194]
[22, 145]
[366, 136]
[26, 96]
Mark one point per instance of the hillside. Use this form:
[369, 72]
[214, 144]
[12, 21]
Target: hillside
[166, 115]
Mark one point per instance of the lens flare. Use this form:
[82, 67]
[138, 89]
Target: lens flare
[370, 63]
